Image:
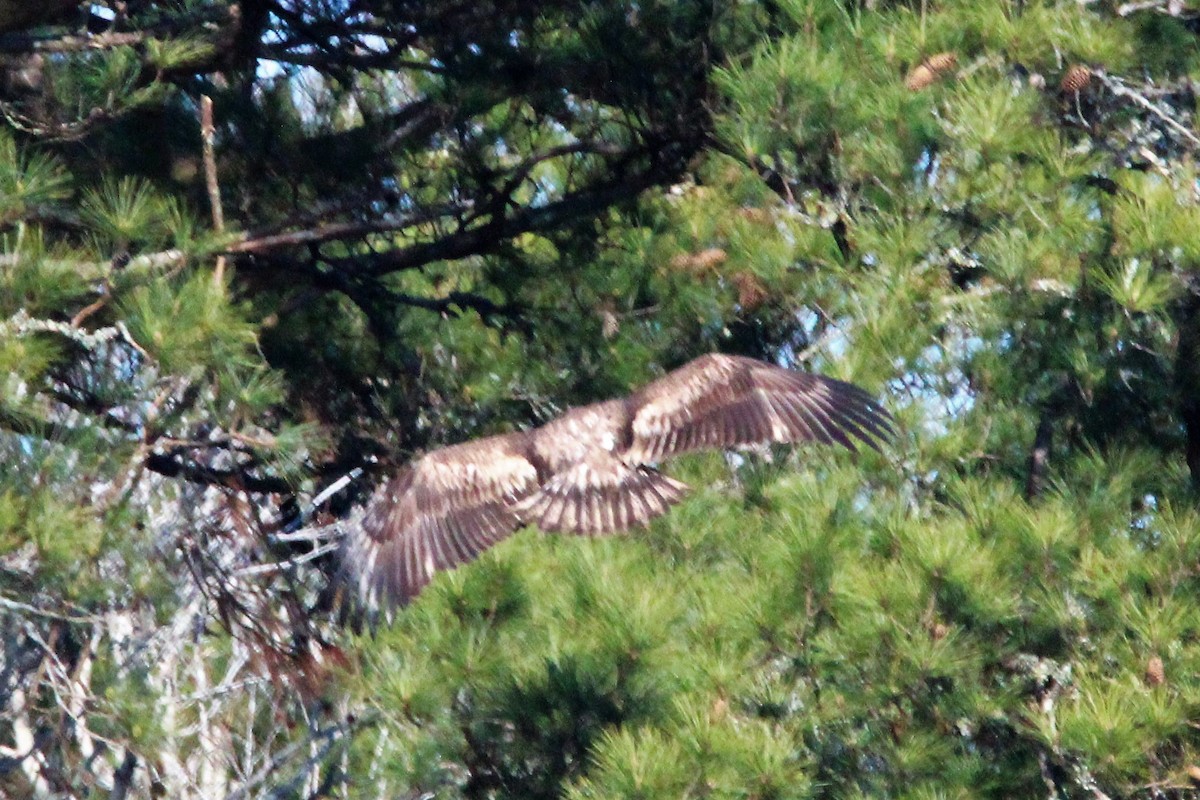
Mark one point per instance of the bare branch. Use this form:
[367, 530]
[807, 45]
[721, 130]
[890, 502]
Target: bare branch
[210, 178]
[312, 555]
[231, 478]
[25, 608]
[361, 60]
[15, 40]
[71, 44]
[1118, 87]
[265, 243]
[324, 738]
[487, 235]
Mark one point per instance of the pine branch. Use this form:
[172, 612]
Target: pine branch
[24, 423]
[242, 479]
[488, 235]
[15, 40]
[466, 241]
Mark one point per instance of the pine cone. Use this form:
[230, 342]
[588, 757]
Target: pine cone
[1076, 79]
[1155, 676]
[610, 326]
[751, 292]
[930, 70]
[941, 62]
[700, 262]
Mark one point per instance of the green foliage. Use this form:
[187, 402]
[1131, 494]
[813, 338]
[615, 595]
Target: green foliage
[27, 180]
[189, 324]
[444, 221]
[125, 212]
[898, 641]
[102, 81]
[169, 54]
[826, 634]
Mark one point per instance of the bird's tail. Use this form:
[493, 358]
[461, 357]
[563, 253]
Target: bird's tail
[600, 495]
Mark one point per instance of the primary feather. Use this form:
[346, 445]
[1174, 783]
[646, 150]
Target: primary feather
[590, 470]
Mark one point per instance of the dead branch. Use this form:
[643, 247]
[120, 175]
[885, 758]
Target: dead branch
[322, 738]
[210, 178]
[1119, 88]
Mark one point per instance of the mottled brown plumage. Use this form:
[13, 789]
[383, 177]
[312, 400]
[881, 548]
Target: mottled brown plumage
[589, 471]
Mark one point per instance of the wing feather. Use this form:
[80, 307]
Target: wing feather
[727, 401]
[441, 511]
[796, 418]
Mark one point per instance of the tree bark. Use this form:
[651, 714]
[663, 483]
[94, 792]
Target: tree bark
[1039, 457]
[1187, 381]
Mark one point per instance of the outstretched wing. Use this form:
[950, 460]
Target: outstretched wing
[720, 401]
[441, 511]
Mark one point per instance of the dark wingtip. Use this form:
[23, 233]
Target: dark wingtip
[862, 415]
[371, 587]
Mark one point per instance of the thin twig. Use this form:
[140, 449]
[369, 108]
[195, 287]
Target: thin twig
[13, 605]
[1117, 87]
[90, 309]
[326, 736]
[315, 534]
[260, 569]
[210, 178]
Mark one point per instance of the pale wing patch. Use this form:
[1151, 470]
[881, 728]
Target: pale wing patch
[673, 400]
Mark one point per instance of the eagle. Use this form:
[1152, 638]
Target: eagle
[591, 470]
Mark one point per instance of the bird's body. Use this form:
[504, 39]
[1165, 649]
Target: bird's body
[589, 470]
[579, 431]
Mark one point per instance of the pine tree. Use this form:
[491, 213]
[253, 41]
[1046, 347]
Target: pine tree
[247, 249]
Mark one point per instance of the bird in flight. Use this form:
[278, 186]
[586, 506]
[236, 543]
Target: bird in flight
[589, 471]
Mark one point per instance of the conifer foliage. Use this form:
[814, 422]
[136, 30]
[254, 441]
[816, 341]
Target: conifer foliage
[256, 255]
